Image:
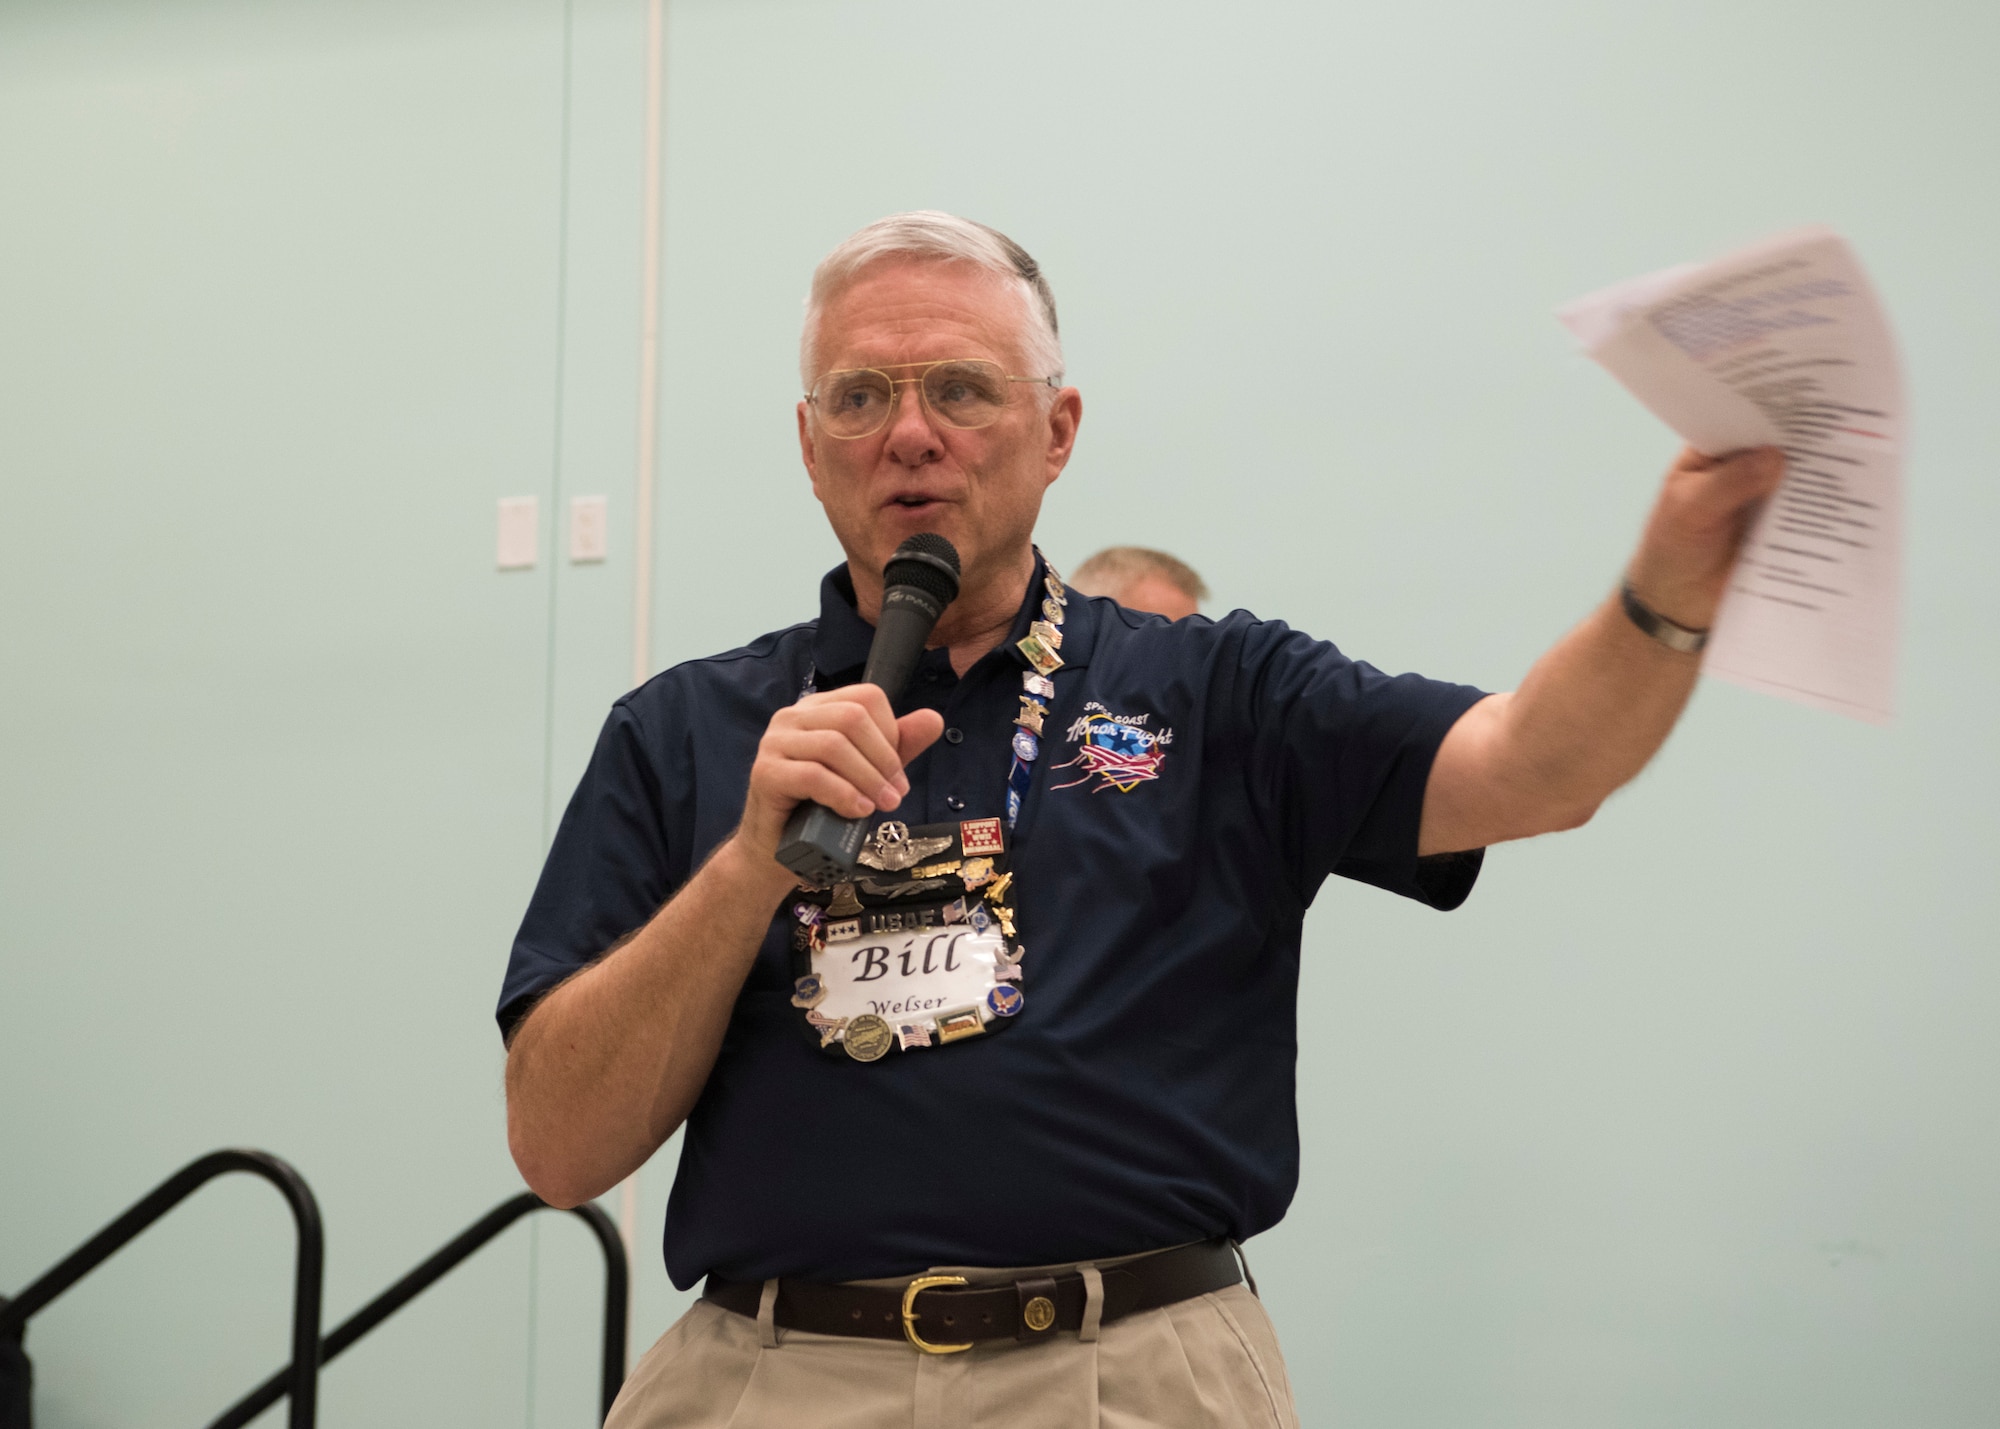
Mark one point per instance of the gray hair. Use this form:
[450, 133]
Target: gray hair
[1115, 569]
[939, 238]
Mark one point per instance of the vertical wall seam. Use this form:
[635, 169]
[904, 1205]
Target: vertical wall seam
[649, 346]
[555, 525]
[534, 1316]
[555, 546]
[653, 181]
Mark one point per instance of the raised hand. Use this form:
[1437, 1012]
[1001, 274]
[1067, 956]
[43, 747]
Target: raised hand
[1696, 529]
[842, 748]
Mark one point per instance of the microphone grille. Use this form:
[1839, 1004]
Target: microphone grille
[927, 561]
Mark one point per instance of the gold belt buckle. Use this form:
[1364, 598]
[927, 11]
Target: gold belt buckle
[910, 1293]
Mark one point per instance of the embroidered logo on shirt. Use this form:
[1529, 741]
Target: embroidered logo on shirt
[1117, 750]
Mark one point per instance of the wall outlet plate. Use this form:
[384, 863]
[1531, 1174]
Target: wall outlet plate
[589, 528]
[517, 533]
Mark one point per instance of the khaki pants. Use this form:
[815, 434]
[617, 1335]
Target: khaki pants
[1209, 1361]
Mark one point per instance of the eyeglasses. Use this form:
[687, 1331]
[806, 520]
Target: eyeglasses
[961, 392]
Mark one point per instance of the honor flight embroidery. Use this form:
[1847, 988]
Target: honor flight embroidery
[1117, 750]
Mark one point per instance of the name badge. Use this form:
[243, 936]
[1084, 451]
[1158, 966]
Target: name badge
[909, 977]
[918, 951]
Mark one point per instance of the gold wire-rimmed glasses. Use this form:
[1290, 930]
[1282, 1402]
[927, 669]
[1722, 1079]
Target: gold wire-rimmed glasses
[963, 392]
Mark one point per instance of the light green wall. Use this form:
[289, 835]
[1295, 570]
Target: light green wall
[280, 315]
[1686, 1118]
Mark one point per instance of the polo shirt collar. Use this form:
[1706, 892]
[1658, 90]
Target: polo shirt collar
[841, 641]
[840, 644]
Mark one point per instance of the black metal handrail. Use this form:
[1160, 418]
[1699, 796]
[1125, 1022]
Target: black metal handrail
[301, 1378]
[456, 1250]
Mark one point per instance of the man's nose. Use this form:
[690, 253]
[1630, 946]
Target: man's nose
[913, 437]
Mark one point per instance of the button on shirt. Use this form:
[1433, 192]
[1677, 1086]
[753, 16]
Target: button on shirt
[1144, 1095]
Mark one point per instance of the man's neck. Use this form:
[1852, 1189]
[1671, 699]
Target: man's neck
[974, 623]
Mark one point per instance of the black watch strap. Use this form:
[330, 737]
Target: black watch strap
[1670, 634]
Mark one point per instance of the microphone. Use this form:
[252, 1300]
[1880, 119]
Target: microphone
[920, 580]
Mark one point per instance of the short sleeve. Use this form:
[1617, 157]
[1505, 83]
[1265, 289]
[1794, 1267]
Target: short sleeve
[1340, 756]
[606, 875]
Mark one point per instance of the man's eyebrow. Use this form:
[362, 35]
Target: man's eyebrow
[926, 362]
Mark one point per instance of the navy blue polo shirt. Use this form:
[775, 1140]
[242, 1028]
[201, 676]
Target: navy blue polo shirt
[1144, 1096]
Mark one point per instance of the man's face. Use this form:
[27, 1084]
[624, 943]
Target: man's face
[980, 489]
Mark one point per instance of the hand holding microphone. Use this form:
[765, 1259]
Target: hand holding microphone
[843, 748]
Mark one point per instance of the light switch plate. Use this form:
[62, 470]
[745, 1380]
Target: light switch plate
[589, 536]
[517, 533]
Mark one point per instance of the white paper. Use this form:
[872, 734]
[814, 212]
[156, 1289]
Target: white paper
[1783, 344]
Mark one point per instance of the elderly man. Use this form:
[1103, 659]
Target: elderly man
[1140, 578]
[1104, 833]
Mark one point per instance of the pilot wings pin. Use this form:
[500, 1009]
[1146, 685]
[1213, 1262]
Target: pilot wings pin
[891, 849]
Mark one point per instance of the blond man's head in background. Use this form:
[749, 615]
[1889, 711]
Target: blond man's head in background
[1142, 579]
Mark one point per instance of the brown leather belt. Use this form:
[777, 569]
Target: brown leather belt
[941, 1314]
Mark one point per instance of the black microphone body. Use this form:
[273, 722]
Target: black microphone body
[920, 580]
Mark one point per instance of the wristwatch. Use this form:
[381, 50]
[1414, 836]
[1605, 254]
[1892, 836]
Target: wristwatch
[1674, 636]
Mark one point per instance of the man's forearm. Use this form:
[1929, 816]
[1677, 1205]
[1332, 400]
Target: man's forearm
[1601, 703]
[606, 1066]
[1589, 716]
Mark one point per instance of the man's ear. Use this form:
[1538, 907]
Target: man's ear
[1065, 416]
[806, 453]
